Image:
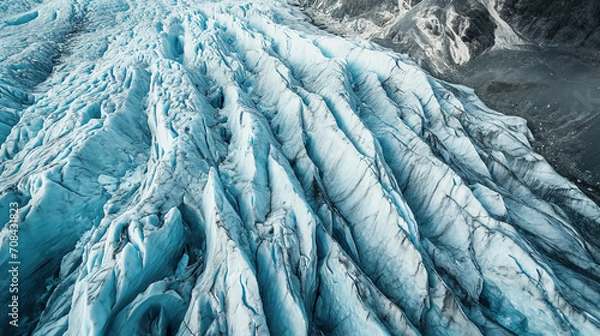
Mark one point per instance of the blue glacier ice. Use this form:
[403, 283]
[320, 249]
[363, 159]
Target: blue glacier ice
[224, 167]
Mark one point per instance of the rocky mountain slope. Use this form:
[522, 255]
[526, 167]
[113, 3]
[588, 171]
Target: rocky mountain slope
[441, 34]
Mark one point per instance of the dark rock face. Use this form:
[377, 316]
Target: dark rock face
[479, 35]
[555, 22]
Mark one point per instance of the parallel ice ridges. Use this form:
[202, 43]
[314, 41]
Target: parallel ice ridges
[27, 56]
[230, 169]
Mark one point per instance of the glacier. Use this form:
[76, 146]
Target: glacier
[224, 167]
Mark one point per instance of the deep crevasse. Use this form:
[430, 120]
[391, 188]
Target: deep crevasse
[190, 167]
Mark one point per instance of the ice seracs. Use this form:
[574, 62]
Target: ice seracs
[191, 168]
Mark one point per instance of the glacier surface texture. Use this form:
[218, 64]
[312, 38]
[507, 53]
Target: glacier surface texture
[200, 168]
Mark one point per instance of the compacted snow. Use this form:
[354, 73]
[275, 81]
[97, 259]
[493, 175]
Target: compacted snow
[200, 168]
